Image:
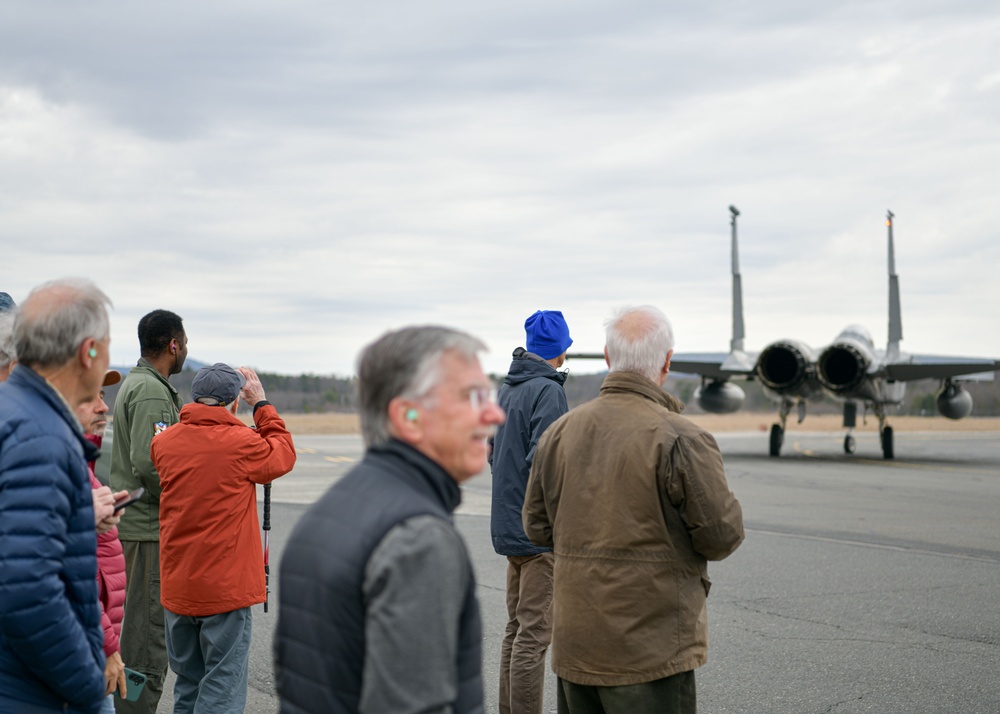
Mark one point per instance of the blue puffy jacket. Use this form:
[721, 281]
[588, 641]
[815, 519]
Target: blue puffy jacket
[51, 643]
[532, 396]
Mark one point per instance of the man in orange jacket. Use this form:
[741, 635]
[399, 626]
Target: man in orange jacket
[211, 560]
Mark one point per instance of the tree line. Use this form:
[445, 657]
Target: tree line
[312, 393]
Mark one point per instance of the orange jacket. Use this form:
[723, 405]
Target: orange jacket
[210, 463]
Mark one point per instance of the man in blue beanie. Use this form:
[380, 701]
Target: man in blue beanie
[532, 396]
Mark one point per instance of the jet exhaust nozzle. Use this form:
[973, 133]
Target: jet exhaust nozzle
[783, 366]
[843, 366]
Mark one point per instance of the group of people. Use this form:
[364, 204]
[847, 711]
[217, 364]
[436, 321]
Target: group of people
[607, 515]
[96, 598]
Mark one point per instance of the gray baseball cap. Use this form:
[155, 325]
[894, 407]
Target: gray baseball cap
[220, 381]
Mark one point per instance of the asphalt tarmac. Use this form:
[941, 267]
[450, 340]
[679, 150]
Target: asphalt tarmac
[864, 585]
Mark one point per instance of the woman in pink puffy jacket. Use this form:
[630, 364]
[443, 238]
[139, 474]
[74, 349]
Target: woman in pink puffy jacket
[110, 560]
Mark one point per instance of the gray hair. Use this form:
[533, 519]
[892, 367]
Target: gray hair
[638, 340]
[404, 363]
[56, 318]
[7, 352]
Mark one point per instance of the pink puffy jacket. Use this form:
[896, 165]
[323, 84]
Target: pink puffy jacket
[110, 576]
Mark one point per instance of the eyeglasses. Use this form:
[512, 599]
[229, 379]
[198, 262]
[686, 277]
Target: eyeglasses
[481, 397]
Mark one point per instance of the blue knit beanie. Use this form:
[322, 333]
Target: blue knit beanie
[6, 302]
[548, 335]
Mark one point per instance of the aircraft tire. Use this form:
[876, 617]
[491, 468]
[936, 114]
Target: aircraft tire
[777, 438]
[887, 445]
[849, 444]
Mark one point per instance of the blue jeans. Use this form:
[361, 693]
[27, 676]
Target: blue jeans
[108, 704]
[210, 656]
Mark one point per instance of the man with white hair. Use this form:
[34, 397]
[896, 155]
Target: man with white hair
[633, 499]
[51, 642]
[378, 609]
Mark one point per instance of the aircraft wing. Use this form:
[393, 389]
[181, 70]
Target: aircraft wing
[937, 367]
[716, 365]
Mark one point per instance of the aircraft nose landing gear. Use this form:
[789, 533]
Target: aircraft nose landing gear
[849, 444]
[778, 430]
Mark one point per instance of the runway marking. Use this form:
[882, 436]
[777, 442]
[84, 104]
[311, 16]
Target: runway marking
[878, 546]
[304, 450]
[340, 459]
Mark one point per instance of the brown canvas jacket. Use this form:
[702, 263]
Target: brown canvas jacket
[634, 501]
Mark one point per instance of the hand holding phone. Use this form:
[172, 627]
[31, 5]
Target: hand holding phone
[129, 499]
[135, 681]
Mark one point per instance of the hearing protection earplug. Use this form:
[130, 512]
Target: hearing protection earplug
[411, 415]
[92, 352]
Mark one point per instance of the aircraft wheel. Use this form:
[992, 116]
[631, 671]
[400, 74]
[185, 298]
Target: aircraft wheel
[849, 444]
[887, 450]
[777, 438]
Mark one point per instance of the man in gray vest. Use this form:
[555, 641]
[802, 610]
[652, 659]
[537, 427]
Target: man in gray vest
[377, 610]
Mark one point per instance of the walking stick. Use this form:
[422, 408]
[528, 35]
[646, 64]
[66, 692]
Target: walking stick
[266, 526]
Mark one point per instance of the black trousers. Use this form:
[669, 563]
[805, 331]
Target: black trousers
[670, 695]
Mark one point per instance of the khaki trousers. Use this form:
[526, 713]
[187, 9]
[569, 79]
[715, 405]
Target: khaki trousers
[528, 633]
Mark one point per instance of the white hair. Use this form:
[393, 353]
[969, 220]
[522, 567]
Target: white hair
[637, 340]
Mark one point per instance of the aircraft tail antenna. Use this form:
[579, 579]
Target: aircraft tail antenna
[895, 310]
[738, 335]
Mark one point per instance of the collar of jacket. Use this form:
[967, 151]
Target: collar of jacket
[147, 367]
[527, 365]
[197, 414]
[630, 382]
[415, 465]
[28, 379]
[96, 441]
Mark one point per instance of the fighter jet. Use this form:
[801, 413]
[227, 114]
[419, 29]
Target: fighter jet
[850, 369]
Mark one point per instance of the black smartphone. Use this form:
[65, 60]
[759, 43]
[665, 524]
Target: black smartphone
[129, 499]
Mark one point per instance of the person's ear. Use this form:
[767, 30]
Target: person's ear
[404, 418]
[88, 352]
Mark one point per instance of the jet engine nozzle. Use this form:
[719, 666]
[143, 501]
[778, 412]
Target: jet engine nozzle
[954, 401]
[719, 397]
[784, 366]
[844, 365]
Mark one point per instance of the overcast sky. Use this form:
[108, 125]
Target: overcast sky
[296, 178]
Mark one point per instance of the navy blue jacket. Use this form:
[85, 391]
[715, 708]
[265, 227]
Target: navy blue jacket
[51, 642]
[532, 396]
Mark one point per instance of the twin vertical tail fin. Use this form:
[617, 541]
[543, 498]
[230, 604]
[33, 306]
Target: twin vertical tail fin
[895, 311]
[737, 342]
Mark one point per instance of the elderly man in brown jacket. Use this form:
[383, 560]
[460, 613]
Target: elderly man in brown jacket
[633, 499]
